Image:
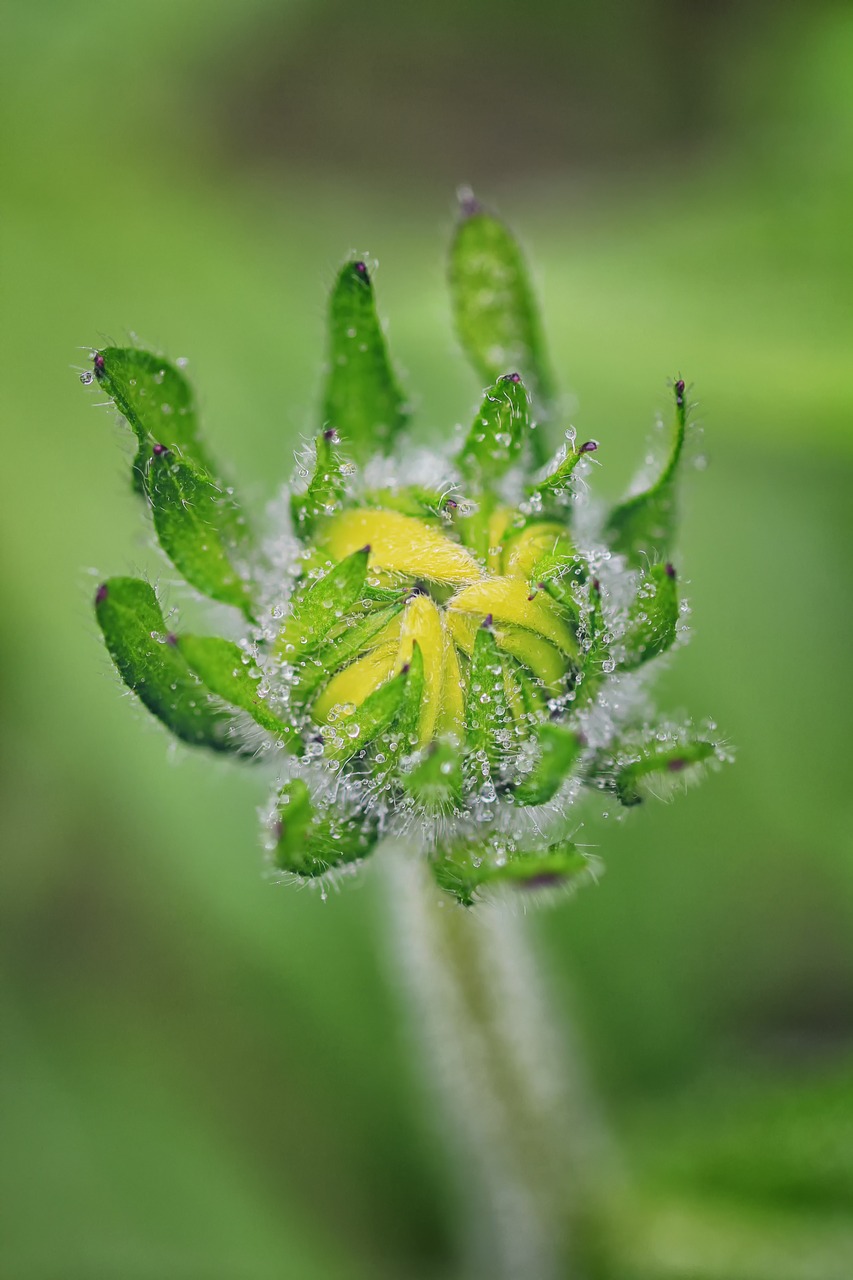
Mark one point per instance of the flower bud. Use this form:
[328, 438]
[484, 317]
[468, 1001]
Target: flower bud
[435, 648]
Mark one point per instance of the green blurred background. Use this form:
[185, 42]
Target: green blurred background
[205, 1076]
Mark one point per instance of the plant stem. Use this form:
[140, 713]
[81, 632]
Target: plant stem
[529, 1145]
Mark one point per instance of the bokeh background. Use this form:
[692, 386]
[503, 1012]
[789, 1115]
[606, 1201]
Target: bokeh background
[206, 1076]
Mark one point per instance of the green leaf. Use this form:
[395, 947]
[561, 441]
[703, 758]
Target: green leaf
[197, 526]
[595, 658]
[486, 710]
[497, 433]
[653, 618]
[558, 572]
[436, 781]
[643, 526]
[412, 500]
[229, 672]
[310, 840]
[354, 640]
[557, 481]
[467, 869]
[656, 768]
[379, 710]
[137, 639]
[362, 400]
[495, 312]
[413, 692]
[558, 751]
[326, 486]
[323, 605]
[156, 400]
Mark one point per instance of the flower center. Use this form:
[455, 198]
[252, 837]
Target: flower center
[445, 596]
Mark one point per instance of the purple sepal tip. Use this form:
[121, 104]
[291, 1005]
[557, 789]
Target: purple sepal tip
[545, 880]
[469, 205]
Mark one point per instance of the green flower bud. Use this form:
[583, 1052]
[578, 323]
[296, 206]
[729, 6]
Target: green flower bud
[452, 650]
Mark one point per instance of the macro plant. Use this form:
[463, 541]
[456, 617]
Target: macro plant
[443, 647]
[447, 644]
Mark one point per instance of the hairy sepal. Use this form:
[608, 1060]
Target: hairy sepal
[152, 667]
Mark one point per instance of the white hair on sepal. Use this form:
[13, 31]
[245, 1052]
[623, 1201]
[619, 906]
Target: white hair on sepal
[430, 467]
[544, 891]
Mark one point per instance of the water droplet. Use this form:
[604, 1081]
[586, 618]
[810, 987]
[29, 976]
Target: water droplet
[87, 378]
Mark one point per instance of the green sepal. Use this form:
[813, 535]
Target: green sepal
[412, 500]
[309, 841]
[498, 432]
[466, 870]
[363, 401]
[378, 712]
[653, 618]
[558, 749]
[198, 526]
[137, 639]
[435, 782]
[642, 527]
[228, 671]
[557, 481]
[353, 641]
[156, 400]
[322, 605]
[532, 693]
[413, 693]
[326, 486]
[595, 654]
[495, 313]
[557, 573]
[634, 775]
[404, 720]
[485, 681]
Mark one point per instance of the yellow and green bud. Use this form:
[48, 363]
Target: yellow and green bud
[452, 661]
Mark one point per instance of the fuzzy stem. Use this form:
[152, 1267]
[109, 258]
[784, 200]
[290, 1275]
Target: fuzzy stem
[528, 1142]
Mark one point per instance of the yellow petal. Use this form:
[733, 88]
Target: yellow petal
[538, 655]
[522, 551]
[452, 715]
[463, 628]
[353, 684]
[499, 522]
[509, 600]
[401, 544]
[422, 622]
